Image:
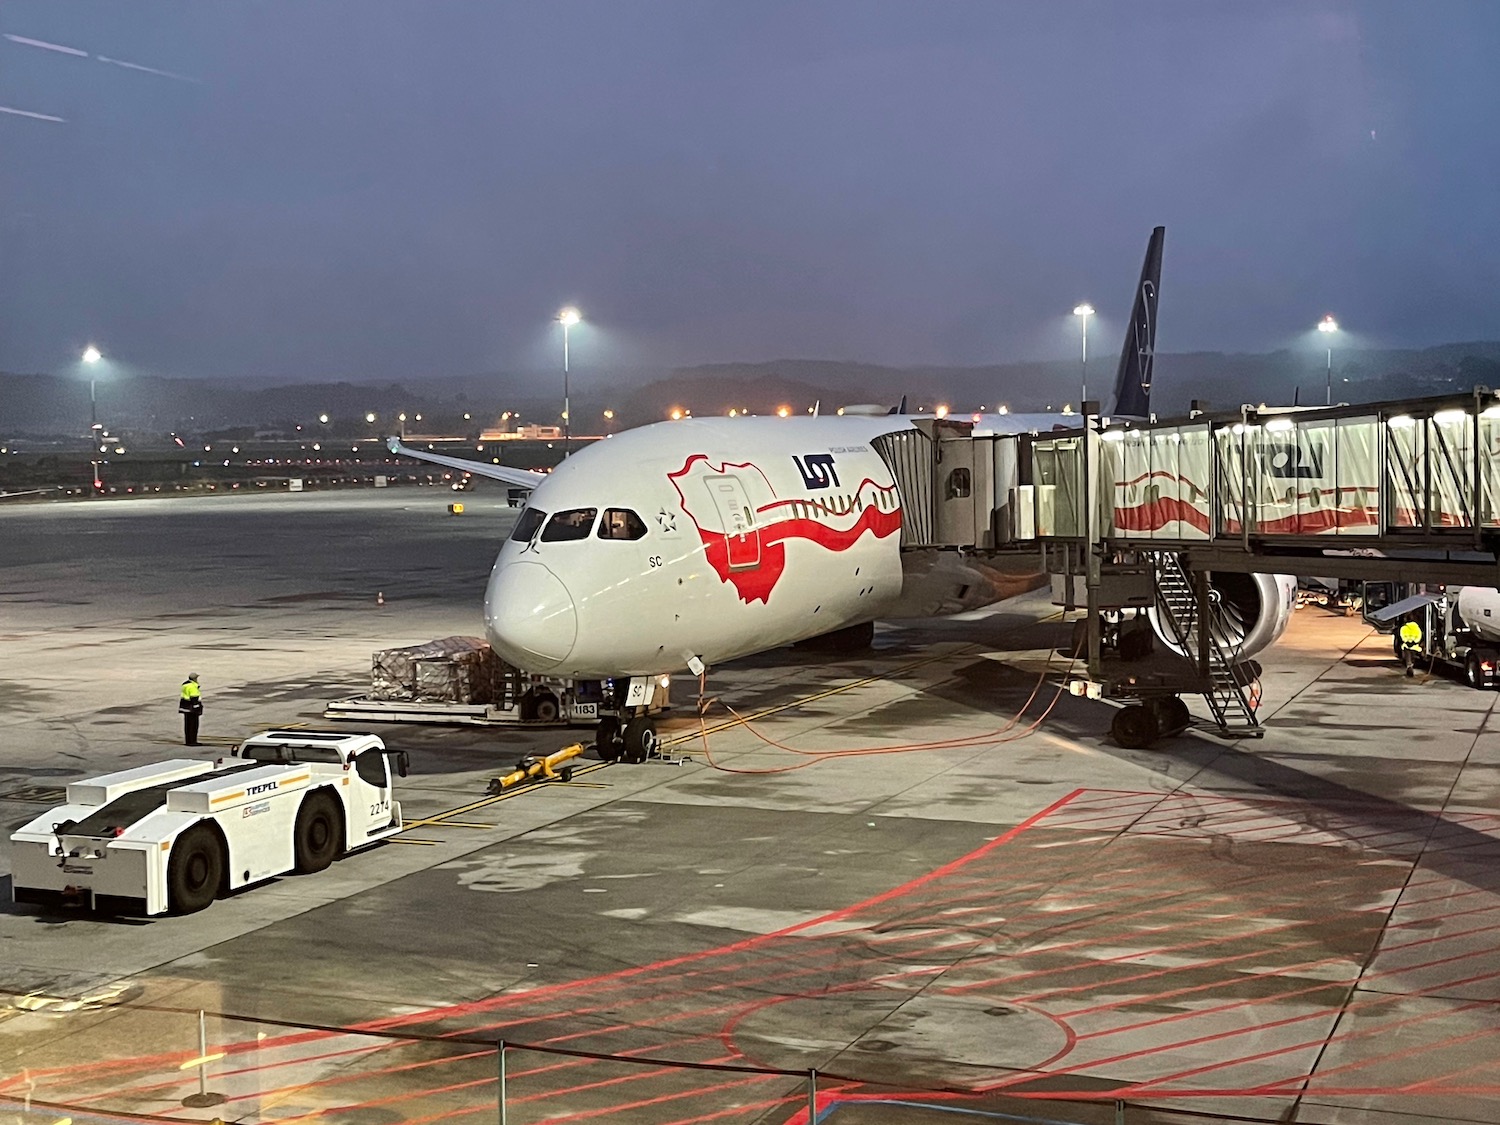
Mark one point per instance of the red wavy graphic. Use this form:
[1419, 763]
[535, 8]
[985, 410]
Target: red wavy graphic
[1157, 514]
[766, 542]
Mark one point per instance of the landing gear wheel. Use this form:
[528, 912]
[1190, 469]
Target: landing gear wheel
[607, 738]
[640, 740]
[1172, 715]
[318, 837]
[1135, 727]
[545, 708]
[195, 871]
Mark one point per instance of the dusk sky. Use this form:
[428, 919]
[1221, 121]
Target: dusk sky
[370, 189]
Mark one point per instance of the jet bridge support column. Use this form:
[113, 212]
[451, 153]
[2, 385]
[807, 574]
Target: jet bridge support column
[1093, 539]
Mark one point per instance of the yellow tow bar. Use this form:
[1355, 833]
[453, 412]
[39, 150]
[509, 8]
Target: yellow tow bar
[533, 768]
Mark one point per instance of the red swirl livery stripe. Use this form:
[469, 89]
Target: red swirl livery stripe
[752, 555]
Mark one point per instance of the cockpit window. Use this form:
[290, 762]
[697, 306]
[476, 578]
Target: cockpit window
[621, 523]
[526, 526]
[575, 523]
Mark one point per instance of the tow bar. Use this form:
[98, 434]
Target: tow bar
[534, 768]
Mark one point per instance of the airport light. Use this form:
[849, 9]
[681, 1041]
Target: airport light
[942, 410]
[92, 356]
[1083, 312]
[609, 421]
[323, 418]
[567, 318]
[676, 414]
[783, 412]
[1328, 326]
[370, 417]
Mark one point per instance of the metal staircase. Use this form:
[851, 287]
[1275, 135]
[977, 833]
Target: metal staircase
[1177, 610]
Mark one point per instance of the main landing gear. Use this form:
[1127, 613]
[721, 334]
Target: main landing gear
[1138, 726]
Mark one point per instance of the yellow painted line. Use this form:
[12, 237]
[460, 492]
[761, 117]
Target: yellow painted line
[444, 824]
[437, 819]
[404, 840]
[202, 1060]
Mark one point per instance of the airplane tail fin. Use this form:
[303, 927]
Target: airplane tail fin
[900, 409]
[1138, 357]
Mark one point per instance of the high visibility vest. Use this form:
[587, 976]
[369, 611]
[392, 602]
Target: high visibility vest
[1411, 635]
[190, 691]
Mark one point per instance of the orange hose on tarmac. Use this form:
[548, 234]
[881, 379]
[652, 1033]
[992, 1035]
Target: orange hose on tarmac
[813, 756]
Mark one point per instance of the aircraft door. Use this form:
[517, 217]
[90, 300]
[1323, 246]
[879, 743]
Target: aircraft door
[960, 488]
[737, 518]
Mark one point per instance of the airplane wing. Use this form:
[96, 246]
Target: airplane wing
[516, 478]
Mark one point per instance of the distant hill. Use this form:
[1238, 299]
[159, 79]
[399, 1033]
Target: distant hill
[55, 406]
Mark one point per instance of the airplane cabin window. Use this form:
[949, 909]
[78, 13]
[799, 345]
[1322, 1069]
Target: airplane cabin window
[959, 484]
[575, 523]
[526, 526]
[621, 523]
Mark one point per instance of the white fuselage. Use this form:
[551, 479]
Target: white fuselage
[706, 539]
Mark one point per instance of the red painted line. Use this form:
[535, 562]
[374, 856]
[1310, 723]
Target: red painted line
[1225, 982]
[1232, 1006]
[1135, 954]
[1442, 937]
[623, 977]
[1383, 1029]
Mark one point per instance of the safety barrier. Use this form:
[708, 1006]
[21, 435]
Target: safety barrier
[295, 1071]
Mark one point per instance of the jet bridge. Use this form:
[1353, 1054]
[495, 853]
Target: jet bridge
[1410, 485]
[1406, 490]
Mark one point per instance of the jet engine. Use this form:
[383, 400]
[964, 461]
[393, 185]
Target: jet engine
[1249, 612]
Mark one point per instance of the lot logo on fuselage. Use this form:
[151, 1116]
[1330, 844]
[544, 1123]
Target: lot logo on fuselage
[744, 524]
[817, 470]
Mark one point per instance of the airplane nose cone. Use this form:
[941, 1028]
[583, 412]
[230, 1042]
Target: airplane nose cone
[530, 616]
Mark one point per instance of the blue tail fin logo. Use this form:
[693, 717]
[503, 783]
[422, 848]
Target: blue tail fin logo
[1138, 356]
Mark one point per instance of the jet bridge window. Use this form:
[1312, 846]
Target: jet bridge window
[959, 484]
[526, 526]
[575, 523]
[621, 523]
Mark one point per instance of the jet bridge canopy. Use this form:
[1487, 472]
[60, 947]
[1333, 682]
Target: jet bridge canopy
[1256, 490]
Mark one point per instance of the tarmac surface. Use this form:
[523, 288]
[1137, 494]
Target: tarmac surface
[922, 872]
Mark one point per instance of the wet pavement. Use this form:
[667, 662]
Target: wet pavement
[922, 871]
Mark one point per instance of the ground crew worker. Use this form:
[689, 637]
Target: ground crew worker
[1411, 645]
[191, 706]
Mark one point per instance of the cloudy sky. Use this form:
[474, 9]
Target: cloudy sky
[381, 189]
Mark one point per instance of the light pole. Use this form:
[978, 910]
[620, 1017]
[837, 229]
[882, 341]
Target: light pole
[92, 356]
[1329, 326]
[567, 318]
[1084, 311]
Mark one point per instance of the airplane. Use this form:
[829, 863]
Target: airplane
[685, 544]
